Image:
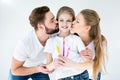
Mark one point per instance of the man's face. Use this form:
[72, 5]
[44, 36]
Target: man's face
[50, 23]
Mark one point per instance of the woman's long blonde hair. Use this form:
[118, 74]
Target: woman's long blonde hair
[92, 18]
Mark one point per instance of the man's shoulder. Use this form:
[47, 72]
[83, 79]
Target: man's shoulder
[29, 38]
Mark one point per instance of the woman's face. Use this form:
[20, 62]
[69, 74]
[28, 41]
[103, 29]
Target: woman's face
[78, 25]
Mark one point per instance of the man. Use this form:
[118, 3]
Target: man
[28, 57]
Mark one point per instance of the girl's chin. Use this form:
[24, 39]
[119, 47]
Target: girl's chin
[72, 31]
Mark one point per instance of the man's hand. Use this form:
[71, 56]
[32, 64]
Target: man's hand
[42, 68]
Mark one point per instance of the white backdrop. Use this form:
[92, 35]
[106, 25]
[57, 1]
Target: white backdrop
[14, 25]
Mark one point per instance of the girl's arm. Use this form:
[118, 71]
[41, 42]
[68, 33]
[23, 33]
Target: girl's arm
[50, 62]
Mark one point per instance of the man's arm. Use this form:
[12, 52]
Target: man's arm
[17, 68]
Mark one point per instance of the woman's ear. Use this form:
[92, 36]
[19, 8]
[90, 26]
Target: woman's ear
[88, 28]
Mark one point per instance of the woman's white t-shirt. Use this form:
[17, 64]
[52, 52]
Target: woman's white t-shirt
[91, 46]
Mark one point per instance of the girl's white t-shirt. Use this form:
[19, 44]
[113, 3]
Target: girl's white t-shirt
[72, 47]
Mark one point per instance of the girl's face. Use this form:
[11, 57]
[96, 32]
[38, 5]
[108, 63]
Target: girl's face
[64, 22]
[79, 25]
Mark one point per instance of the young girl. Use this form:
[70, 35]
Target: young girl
[65, 44]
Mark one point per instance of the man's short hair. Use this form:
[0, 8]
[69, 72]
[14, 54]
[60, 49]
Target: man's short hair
[38, 15]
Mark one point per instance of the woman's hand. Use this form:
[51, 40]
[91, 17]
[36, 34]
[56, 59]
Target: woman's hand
[86, 54]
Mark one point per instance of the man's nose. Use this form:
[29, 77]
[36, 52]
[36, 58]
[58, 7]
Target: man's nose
[56, 21]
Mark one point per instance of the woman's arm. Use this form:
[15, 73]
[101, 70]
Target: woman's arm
[86, 56]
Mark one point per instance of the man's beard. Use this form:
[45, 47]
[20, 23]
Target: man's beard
[51, 31]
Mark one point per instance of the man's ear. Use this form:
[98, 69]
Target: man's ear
[40, 26]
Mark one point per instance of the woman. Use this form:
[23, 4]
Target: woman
[87, 26]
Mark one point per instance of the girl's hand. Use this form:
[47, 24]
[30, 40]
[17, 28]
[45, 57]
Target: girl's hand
[65, 62]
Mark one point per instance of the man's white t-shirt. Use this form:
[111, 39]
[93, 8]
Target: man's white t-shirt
[30, 50]
[74, 43]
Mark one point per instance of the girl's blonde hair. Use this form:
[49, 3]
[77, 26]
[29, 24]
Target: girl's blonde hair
[92, 18]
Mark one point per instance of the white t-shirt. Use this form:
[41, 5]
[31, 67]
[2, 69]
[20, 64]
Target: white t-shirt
[30, 50]
[91, 46]
[72, 47]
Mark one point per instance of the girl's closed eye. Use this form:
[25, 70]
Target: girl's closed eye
[61, 20]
